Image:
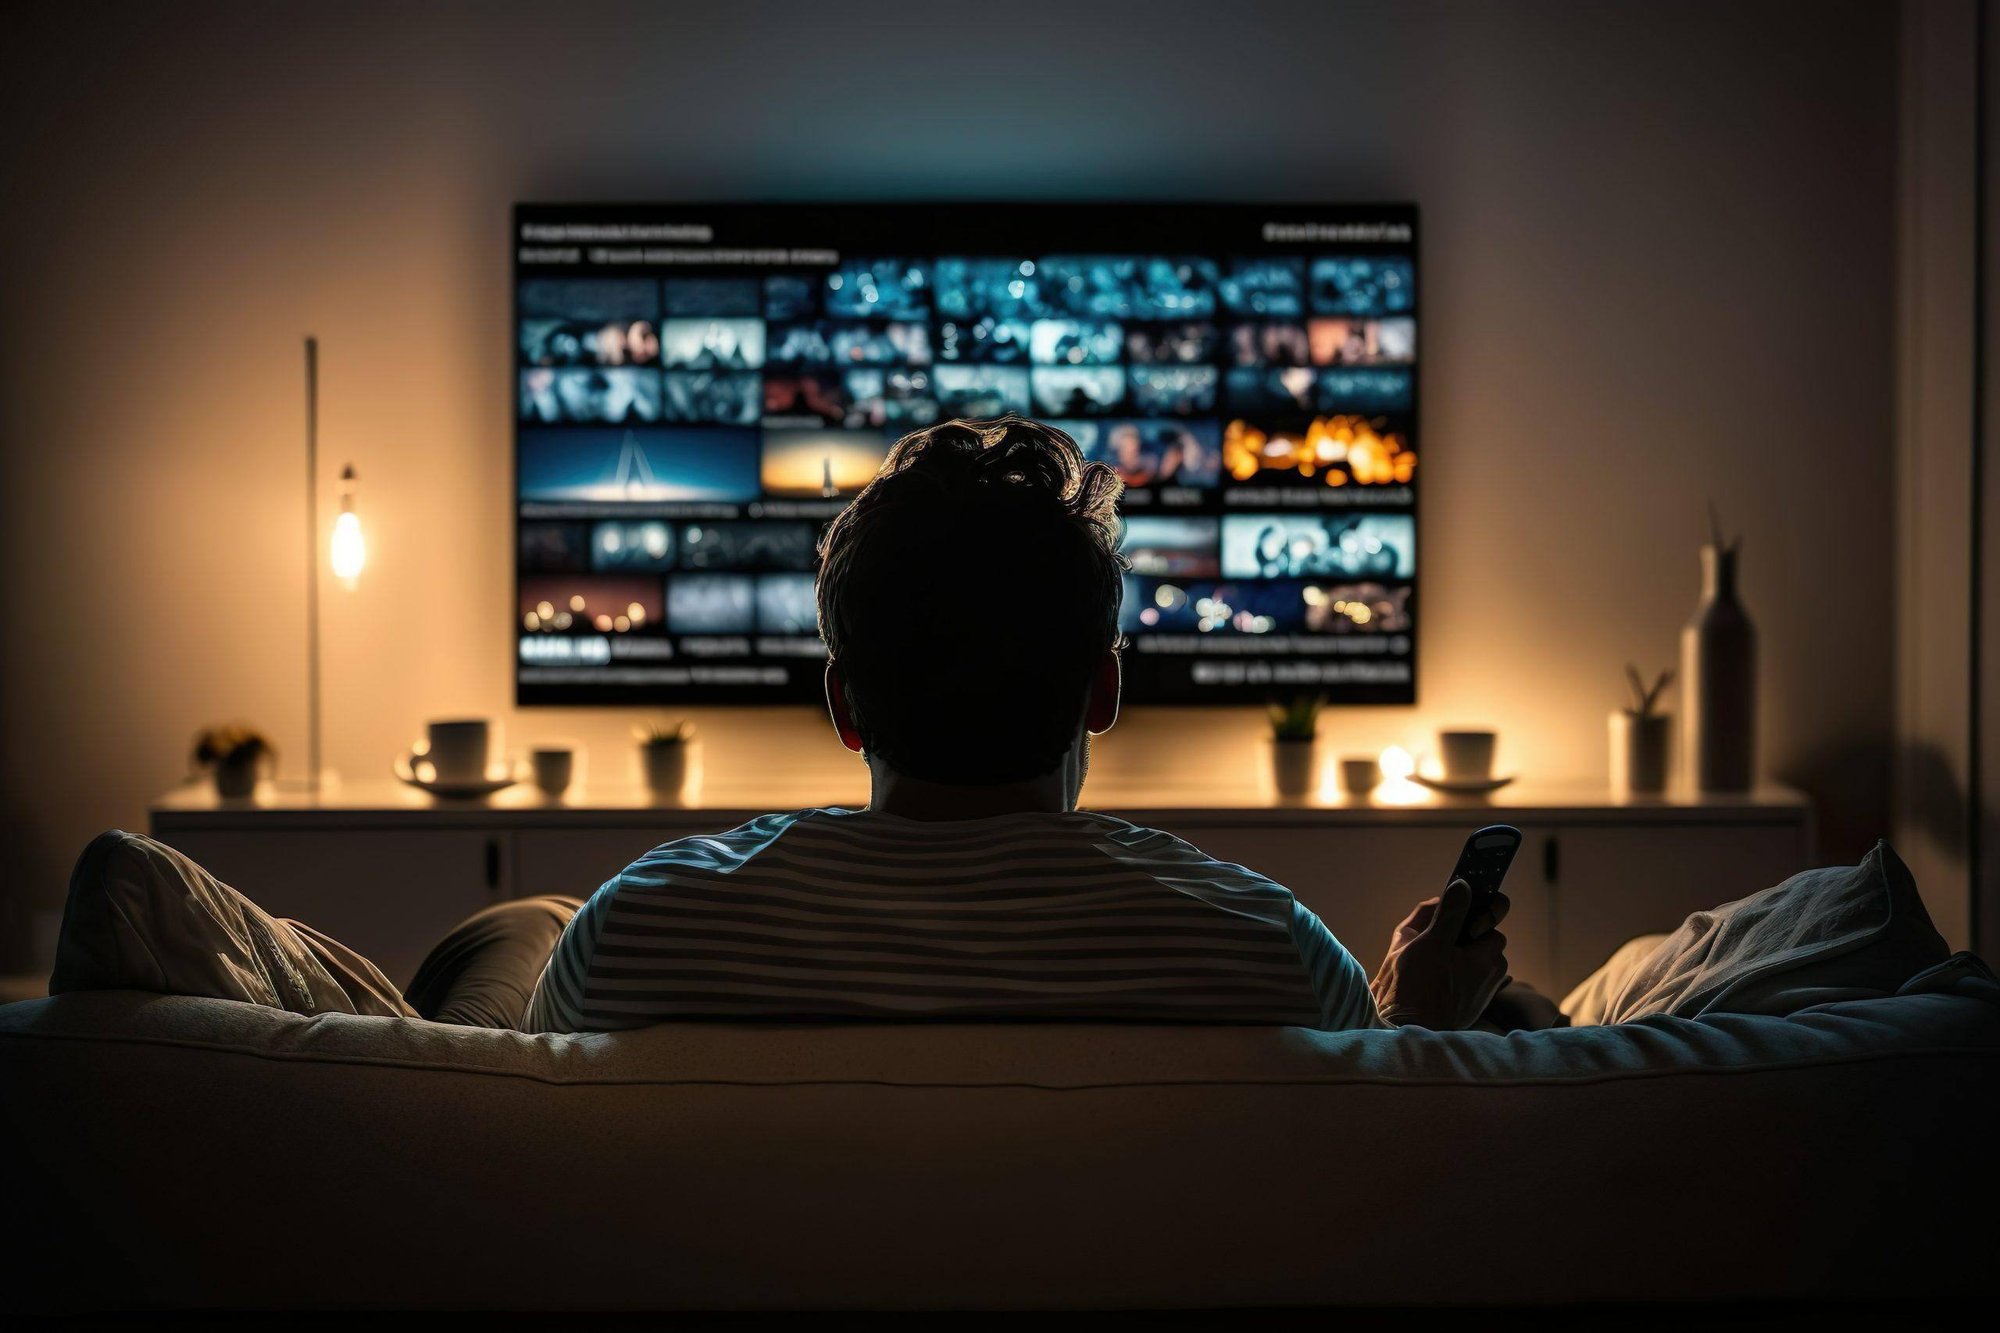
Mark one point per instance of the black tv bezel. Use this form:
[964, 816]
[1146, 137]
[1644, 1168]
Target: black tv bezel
[994, 213]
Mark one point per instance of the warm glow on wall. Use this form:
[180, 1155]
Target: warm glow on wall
[1397, 765]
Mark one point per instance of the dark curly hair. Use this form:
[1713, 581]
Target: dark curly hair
[967, 596]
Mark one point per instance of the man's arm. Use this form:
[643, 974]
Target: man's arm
[1341, 983]
[557, 1004]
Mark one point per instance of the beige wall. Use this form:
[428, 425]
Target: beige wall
[1657, 263]
[1937, 295]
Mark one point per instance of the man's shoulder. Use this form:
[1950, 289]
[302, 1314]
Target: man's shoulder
[1139, 841]
[1186, 868]
[732, 846]
[1135, 846]
[1179, 862]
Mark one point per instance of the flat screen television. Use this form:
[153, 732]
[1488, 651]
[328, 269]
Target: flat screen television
[698, 389]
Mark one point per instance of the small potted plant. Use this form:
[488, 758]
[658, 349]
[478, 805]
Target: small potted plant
[663, 752]
[1642, 738]
[1295, 744]
[236, 756]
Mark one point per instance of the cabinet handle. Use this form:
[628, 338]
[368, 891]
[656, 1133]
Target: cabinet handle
[1551, 859]
[493, 865]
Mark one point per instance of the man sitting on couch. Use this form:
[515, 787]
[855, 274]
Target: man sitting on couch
[969, 600]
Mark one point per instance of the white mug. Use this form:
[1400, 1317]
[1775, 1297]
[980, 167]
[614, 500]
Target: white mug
[554, 765]
[458, 749]
[1467, 756]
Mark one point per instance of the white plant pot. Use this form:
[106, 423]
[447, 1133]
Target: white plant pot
[1295, 767]
[665, 767]
[235, 779]
[1642, 747]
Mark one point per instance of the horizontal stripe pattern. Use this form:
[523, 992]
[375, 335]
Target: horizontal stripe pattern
[858, 914]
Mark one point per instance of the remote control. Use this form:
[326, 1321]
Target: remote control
[1482, 865]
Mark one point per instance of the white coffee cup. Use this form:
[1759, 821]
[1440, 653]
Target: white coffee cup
[1360, 775]
[458, 749]
[554, 766]
[1467, 756]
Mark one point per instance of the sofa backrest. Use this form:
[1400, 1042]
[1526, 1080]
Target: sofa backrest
[211, 1153]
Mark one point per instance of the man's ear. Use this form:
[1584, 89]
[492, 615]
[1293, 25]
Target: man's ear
[1105, 687]
[836, 707]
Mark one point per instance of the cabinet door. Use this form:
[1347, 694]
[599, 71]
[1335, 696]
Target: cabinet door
[390, 896]
[1611, 883]
[576, 861]
[1362, 880]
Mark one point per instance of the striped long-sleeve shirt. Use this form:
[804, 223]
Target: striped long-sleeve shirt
[860, 914]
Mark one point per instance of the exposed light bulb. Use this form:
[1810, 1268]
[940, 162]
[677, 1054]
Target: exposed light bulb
[350, 549]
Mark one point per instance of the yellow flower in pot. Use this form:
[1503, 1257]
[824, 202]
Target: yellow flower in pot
[236, 756]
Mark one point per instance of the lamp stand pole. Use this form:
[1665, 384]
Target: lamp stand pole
[312, 564]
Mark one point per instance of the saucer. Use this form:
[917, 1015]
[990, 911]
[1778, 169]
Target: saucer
[1462, 786]
[406, 770]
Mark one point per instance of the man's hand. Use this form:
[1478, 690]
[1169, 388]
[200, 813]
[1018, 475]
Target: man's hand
[1431, 980]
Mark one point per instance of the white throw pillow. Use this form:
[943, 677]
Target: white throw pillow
[141, 916]
[1837, 933]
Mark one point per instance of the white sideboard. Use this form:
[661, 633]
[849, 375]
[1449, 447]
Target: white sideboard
[388, 869]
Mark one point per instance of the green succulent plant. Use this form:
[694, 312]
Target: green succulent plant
[1643, 699]
[678, 732]
[1296, 719]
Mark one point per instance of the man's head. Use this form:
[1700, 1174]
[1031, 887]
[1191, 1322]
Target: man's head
[969, 602]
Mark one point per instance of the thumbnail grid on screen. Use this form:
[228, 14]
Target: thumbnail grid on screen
[685, 436]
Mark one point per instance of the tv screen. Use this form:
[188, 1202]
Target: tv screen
[699, 389]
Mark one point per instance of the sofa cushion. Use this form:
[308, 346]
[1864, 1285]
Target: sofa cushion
[1953, 1006]
[141, 916]
[1836, 933]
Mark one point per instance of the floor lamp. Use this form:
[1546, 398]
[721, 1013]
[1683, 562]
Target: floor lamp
[348, 552]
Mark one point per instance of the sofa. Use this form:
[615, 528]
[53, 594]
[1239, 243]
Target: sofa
[176, 1152]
